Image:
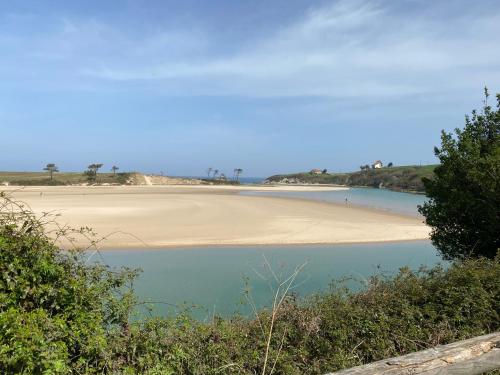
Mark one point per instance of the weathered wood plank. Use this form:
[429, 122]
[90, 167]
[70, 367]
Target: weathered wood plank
[473, 356]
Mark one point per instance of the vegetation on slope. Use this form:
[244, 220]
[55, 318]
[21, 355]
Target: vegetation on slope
[408, 178]
[60, 315]
[66, 178]
[209, 181]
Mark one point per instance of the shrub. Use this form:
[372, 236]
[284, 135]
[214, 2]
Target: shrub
[464, 205]
[59, 314]
[56, 312]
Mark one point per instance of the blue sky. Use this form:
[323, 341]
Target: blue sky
[266, 86]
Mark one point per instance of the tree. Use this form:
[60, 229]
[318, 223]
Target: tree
[464, 196]
[390, 165]
[51, 168]
[91, 171]
[216, 172]
[209, 170]
[97, 167]
[237, 173]
[114, 168]
[324, 171]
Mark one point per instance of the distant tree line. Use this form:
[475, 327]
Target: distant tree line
[215, 175]
[91, 172]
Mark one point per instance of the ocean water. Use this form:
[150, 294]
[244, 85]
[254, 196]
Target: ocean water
[251, 180]
[382, 199]
[213, 280]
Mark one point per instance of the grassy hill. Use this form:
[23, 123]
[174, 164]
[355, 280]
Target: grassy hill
[66, 178]
[407, 178]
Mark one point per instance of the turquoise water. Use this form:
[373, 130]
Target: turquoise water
[383, 199]
[214, 278]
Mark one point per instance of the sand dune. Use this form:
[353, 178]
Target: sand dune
[161, 216]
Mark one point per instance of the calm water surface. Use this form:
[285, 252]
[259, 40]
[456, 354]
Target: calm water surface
[214, 278]
[382, 199]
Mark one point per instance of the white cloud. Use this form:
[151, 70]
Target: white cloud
[347, 49]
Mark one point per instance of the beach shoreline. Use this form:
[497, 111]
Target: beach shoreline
[273, 246]
[155, 217]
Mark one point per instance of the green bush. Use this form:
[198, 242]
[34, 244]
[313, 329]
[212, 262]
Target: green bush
[61, 315]
[37, 182]
[56, 312]
[330, 331]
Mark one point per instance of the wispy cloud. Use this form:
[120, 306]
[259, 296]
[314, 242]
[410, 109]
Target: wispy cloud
[345, 49]
[336, 84]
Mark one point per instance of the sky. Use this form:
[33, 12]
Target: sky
[269, 86]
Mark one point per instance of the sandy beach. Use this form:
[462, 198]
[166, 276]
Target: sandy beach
[170, 216]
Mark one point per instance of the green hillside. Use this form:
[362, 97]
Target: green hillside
[408, 178]
[60, 178]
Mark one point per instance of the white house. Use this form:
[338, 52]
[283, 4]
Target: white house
[316, 171]
[377, 164]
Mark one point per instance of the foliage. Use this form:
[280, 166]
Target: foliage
[59, 314]
[37, 182]
[91, 172]
[464, 206]
[56, 312]
[91, 175]
[335, 330]
[51, 168]
[407, 178]
[63, 178]
[220, 181]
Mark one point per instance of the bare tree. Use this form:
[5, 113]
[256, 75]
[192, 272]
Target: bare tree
[114, 168]
[209, 170]
[216, 172]
[51, 168]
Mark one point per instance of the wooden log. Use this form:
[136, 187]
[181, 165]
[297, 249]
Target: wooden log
[468, 357]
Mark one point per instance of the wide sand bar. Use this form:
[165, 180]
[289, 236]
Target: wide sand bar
[169, 216]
